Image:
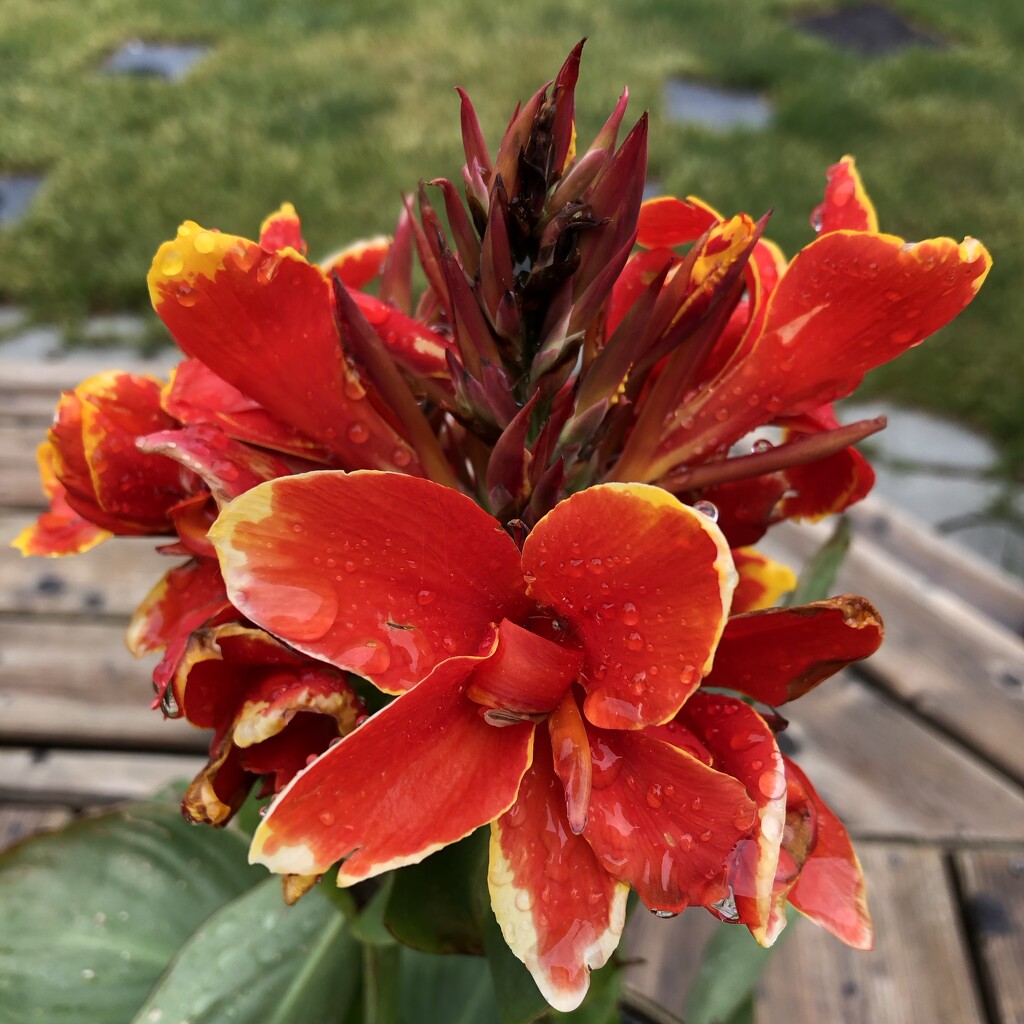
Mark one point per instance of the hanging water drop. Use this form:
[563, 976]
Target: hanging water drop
[707, 509]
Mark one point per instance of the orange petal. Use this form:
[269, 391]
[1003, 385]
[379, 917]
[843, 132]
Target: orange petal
[220, 789]
[412, 345]
[830, 888]
[762, 581]
[744, 747]
[846, 205]
[359, 263]
[449, 773]
[561, 913]
[644, 583]
[283, 230]
[380, 574]
[280, 757]
[666, 222]
[264, 322]
[570, 749]
[778, 654]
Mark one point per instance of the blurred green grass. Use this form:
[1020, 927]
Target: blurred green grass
[339, 109]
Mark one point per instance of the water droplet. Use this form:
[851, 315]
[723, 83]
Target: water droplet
[186, 296]
[172, 263]
[708, 509]
[761, 445]
[449, 645]
[204, 242]
[635, 642]
[358, 433]
[664, 913]
[401, 458]
[772, 784]
[817, 219]
[696, 803]
[726, 908]
[654, 796]
[524, 900]
[630, 614]
[686, 841]
[705, 836]
[424, 597]
[903, 337]
[88, 974]
[267, 270]
[326, 818]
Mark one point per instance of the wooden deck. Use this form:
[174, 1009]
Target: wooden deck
[921, 751]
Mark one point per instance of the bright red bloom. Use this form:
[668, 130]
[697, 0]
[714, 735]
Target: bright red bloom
[603, 639]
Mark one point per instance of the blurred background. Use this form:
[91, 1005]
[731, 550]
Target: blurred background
[121, 118]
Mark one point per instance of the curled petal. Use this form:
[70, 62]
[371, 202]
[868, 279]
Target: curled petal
[264, 322]
[778, 654]
[762, 581]
[561, 913]
[830, 887]
[220, 789]
[644, 583]
[744, 747]
[662, 821]
[60, 530]
[280, 757]
[380, 574]
[458, 773]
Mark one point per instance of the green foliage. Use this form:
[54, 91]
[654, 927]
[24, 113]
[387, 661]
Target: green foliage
[339, 108]
[818, 578]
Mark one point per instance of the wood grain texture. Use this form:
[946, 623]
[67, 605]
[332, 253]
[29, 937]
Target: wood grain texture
[954, 665]
[992, 883]
[17, 823]
[918, 973]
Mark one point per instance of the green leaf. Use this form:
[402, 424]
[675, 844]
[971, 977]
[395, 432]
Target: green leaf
[446, 989]
[257, 961]
[819, 575]
[731, 963]
[92, 914]
[382, 983]
[368, 927]
[519, 999]
[436, 906]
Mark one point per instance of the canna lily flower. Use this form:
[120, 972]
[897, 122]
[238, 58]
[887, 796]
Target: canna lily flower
[537, 692]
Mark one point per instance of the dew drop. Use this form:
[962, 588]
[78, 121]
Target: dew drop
[185, 295]
[654, 796]
[761, 445]
[204, 242]
[630, 614]
[424, 597]
[772, 784]
[664, 913]
[635, 642]
[326, 818]
[358, 433]
[172, 263]
[401, 458]
[696, 803]
[705, 836]
[707, 509]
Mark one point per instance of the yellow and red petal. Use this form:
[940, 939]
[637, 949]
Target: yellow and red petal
[830, 888]
[283, 230]
[778, 654]
[829, 485]
[264, 322]
[662, 821]
[412, 345]
[666, 221]
[454, 773]
[846, 205]
[743, 746]
[60, 530]
[848, 302]
[197, 396]
[184, 599]
[380, 574]
[561, 913]
[526, 673]
[762, 581]
[229, 468]
[359, 263]
[644, 583]
[220, 789]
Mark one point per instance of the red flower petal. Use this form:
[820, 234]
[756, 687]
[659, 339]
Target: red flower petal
[283, 230]
[640, 270]
[220, 789]
[644, 582]
[744, 747]
[829, 485]
[264, 322]
[846, 205]
[380, 574]
[282, 756]
[60, 530]
[227, 467]
[412, 345]
[849, 302]
[561, 913]
[525, 674]
[830, 888]
[762, 581]
[747, 507]
[359, 263]
[665, 221]
[570, 749]
[456, 774]
[196, 395]
[779, 654]
[663, 821]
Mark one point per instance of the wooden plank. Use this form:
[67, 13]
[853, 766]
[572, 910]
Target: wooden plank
[993, 592]
[18, 470]
[82, 777]
[887, 774]
[992, 882]
[17, 823]
[918, 972]
[75, 682]
[951, 663]
[51, 376]
[110, 579]
[667, 954]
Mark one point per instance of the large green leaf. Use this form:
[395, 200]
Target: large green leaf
[92, 914]
[257, 961]
[446, 989]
